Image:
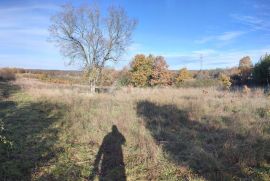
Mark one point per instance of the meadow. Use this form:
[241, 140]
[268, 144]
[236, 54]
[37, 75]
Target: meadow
[54, 132]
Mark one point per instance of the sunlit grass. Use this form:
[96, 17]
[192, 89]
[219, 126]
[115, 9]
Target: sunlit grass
[171, 134]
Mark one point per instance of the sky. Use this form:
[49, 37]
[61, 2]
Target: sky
[220, 31]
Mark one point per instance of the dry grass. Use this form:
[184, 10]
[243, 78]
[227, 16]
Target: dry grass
[7, 74]
[171, 134]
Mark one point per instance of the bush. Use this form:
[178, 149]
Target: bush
[225, 80]
[124, 78]
[182, 76]
[6, 74]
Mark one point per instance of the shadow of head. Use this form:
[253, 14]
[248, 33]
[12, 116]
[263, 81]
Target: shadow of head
[214, 153]
[109, 162]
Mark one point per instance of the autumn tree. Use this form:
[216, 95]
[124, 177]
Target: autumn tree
[141, 70]
[90, 39]
[245, 68]
[160, 74]
[182, 75]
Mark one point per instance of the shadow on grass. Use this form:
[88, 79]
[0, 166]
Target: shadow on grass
[213, 153]
[7, 89]
[110, 156]
[28, 136]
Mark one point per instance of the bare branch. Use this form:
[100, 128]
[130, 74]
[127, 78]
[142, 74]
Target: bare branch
[84, 36]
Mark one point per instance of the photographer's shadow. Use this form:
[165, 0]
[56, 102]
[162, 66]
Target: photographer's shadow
[109, 164]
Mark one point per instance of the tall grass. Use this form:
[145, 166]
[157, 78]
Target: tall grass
[171, 134]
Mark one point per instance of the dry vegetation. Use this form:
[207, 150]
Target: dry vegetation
[171, 134]
[7, 74]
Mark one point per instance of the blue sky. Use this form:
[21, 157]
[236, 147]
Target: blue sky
[222, 31]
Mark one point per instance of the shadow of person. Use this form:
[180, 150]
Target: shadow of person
[110, 155]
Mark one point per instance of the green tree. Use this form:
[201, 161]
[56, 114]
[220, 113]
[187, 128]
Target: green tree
[261, 70]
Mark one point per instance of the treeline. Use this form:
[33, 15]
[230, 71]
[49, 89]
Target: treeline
[253, 75]
[151, 71]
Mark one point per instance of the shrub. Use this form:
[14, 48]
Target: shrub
[225, 80]
[124, 78]
[182, 75]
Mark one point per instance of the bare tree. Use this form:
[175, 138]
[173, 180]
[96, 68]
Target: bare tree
[88, 38]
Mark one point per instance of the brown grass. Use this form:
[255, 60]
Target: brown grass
[171, 134]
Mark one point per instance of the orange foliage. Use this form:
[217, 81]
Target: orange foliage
[160, 74]
[141, 69]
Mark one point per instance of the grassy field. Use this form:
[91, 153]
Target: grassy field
[51, 132]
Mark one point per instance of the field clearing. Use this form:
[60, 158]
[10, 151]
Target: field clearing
[54, 132]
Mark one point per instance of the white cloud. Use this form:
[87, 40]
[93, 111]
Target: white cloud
[204, 52]
[229, 35]
[29, 8]
[253, 22]
[213, 58]
[24, 34]
[224, 37]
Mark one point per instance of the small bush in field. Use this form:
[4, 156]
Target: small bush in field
[182, 75]
[7, 74]
[225, 80]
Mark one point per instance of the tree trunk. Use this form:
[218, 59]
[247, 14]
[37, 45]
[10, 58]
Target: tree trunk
[93, 79]
[92, 86]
